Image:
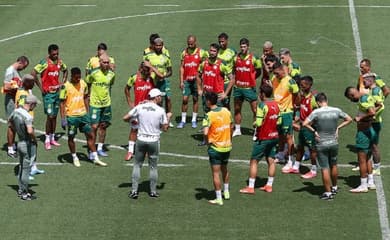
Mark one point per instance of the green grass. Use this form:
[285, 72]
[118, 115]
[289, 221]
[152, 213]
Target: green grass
[91, 202]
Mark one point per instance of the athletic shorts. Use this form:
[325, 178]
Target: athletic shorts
[82, 123]
[377, 126]
[247, 94]
[306, 138]
[165, 87]
[100, 115]
[286, 126]
[264, 148]
[190, 88]
[327, 155]
[218, 158]
[364, 140]
[51, 103]
[9, 104]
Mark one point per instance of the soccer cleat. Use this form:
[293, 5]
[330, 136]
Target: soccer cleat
[376, 172]
[128, 156]
[154, 194]
[27, 197]
[247, 190]
[287, 168]
[194, 124]
[36, 171]
[12, 154]
[19, 192]
[181, 125]
[266, 188]
[294, 170]
[355, 169]
[327, 197]
[309, 175]
[237, 133]
[171, 124]
[133, 195]
[226, 195]
[31, 178]
[371, 186]
[99, 163]
[216, 202]
[54, 143]
[47, 146]
[102, 153]
[359, 189]
[76, 162]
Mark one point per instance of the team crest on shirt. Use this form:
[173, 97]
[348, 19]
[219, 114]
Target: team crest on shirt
[215, 67]
[247, 62]
[196, 57]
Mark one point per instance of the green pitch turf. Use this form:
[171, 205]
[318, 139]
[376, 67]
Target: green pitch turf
[91, 202]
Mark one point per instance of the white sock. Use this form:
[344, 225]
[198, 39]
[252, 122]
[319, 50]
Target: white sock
[74, 155]
[183, 117]
[296, 165]
[52, 137]
[34, 166]
[328, 193]
[270, 181]
[335, 188]
[11, 149]
[194, 117]
[100, 146]
[370, 179]
[226, 187]
[252, 182]
[363, 182]
[218, 193]
[314, 168]
[131, 146]
[94, 156]
[237, 127]
[47, 138]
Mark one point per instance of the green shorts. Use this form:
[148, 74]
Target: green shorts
[327, 155]
[190, 88]
[218, 158]
[286, 126]
[51, 103]
[9, 104]
[82, 123]
[306, 138]
[364, 140]
[377, 126]
[100, 115]
[247, 94]
[165, 87]
[264, 148]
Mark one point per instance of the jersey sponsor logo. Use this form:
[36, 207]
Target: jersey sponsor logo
[222, 128]
[273, 116]
[208, 87]
[191, 64]
[304, 108]
[54, 74]
[243, 69]
[242, 84]
[211, 73]
[273, 134]
[143, 88]
[149, 108]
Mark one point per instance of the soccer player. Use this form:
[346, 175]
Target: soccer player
[100, 81]
[294, 70]
[162, 62]
[142, 83]
[364, 136]
[191, 57]
[49, 70]
[149, 49]
[269, 62]
[93, 62]
[12, 81]
[227, 55]
[326, 130]
[152, 119]
[306, 137]
[247, 68]
[377, 94]
[74, 115]
[20, 98]
[286, 95]
[365, 67]
[22, 123]
[268, 51]
[217, 130]
[267, 121]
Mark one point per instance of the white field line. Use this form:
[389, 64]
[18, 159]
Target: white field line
[77, 5]
[249, 7]
[161, 5]
[380, 194]
[7, 5]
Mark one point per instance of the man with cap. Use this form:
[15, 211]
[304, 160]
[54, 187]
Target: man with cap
[22, 123]
[152, 119]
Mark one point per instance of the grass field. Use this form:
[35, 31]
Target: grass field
[92, 203]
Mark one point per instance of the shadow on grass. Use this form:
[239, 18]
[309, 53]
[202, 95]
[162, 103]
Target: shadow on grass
[259, 182]
[351, 148]
[16, 188]
[352, 181]
[58, 135]
[67, 158]
[203, 193]
[247, 131]
[143, 186]
[311, 188]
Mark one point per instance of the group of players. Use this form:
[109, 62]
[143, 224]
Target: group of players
[286, 103]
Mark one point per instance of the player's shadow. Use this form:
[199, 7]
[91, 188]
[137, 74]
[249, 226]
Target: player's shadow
[247, 131]
[58, 135]
[303, 169]
[259, 182]
[197, 137]
[143, 186]
[67, 158]
[16, 187]
[351, 181]
[311, 188]
[5, 147]
[351, 148]
[203, 193]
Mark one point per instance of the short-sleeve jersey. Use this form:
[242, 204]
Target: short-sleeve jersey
[379, 98]
[141, 87]
[20, 119]
[73, 95]
[94, 63]
[365, 103]
[149, 50]
[227, 55]
[245, 68]
[378, 81]
[267, 120]
[160, 61]
[283, 91]
[20, 98]
[100, 85]
[50, 72]
[219, 122]
[294, 69]
[308, 104]
[12, 76]
[326, 120]
[150, 118]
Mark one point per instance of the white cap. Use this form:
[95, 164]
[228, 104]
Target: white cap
[154, 93]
